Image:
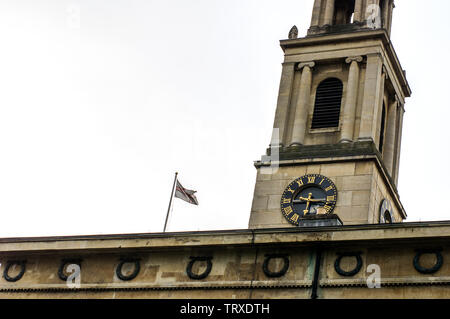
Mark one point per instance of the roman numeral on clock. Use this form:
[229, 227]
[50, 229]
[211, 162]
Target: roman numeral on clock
[288, 210]
[290, 190]
[327, 208]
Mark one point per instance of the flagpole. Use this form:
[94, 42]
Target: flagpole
[170, 202]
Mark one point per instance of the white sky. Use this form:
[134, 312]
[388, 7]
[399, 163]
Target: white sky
[101, 101]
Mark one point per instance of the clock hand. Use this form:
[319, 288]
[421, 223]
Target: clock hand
[302, 199]
[317, 200]
[308, 203]
[306, 211]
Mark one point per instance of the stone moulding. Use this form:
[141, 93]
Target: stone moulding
[327, 151]
[413, 232]
[360, 283]
[394, 282]
[245, 285]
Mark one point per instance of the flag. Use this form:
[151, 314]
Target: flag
[186, 194]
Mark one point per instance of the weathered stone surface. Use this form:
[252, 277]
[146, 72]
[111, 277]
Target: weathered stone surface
[238, 259]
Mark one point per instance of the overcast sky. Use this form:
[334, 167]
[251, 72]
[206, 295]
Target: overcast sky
[102, 101]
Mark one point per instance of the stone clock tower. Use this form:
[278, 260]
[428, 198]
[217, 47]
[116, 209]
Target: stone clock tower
[338, 122]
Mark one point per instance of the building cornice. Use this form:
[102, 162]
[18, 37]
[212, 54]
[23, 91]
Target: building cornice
[376, 234]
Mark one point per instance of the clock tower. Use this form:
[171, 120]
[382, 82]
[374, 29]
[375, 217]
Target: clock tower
[336, 142]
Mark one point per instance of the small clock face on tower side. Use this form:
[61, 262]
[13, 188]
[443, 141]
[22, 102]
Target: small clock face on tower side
[307, 196]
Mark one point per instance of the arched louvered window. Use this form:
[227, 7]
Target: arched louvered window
[328, 104]
[383, 126]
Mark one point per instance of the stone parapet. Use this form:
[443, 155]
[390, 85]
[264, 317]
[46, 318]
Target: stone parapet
[245, 264]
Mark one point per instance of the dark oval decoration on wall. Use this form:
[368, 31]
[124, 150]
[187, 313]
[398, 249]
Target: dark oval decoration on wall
[205, 273]
[63, 265]
[435, 268]
[20, 263]
[137, 268]
[340, 271]
[280, 273]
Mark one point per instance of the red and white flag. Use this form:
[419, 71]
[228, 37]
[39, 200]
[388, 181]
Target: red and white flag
[186, 194]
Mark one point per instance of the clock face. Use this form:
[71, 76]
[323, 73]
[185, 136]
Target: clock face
[307, 196]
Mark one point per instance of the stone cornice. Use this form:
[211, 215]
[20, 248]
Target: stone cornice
[376, 233]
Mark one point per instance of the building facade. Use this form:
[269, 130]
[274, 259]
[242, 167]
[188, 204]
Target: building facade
[326, 220]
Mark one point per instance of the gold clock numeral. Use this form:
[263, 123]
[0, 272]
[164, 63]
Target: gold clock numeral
[286, 200]
[290, 190]
[288, 210]
[311, 179]
[327, 208]
[323, 180]
[295, 218]
[331, 198]
[300, 183]
[328, 188]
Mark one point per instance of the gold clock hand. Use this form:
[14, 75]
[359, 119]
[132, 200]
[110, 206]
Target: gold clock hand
[310, 200]
[300, 200]
[318, 200]
[308, 203]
